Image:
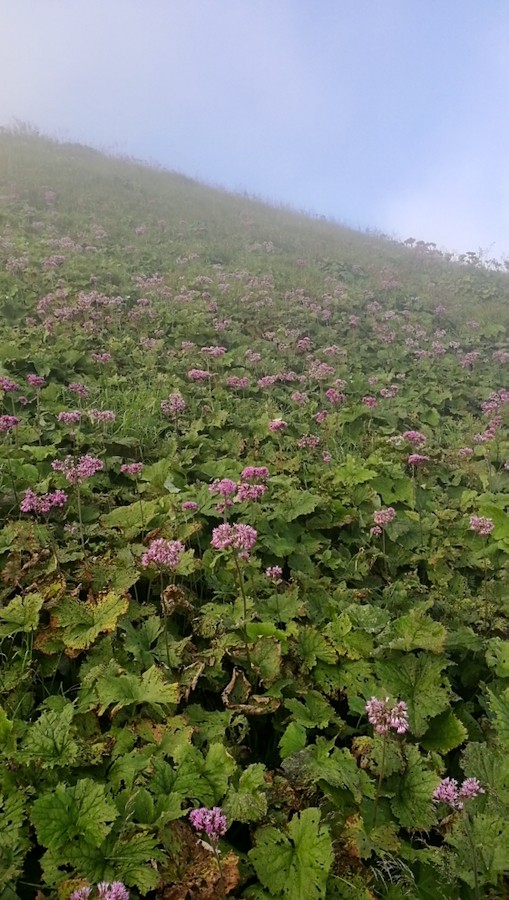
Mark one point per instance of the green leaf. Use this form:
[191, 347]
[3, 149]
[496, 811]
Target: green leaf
[489, 834]
[412, 802]
[445, 733]
[21, 615]
[121, 689]
[49, 740]
[315, 712]
[81, 811]
[490, 765]
[419, 681]
[14, 841]
[312, 646]
[202, 779]
[293, 740]
[248, 802]
[299, 503]
[497, 656]
[295, 867]
[363, 842]
[82, 623]
[499, 706]
[416, 631]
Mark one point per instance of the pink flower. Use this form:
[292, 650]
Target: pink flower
[382, 716]
[101, 357]
[278, 425]
[174, 405]
[36, 381]
[77, 472]
[321, 416]
[210, 821]
[371, 402]
[415, 437]
[415, 459]
[114, 891]
[44, 504]
[7, 423]
[237, 537]
[77, 388]
[251, 472]
[226, 487]
[131, 468]
[249, 492]
[70, 418]
[274, 573]
[382, 517]
[449, 792]
[163, 553]
[326, 456]
[7, 385]
[198, 375]
[189, 505]
[335, 397]
[481, 524]
[465, 452]
[100, 416]
[239, 383]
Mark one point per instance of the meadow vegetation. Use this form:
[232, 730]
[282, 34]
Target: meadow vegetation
[254, 605]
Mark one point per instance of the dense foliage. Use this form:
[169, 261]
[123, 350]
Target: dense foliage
[253, 554]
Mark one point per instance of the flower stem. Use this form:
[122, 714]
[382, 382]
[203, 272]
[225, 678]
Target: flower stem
[380, 779]
[470, 839]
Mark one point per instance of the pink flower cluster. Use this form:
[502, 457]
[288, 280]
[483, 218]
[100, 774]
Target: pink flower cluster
[234, 381]
[251, 473]
[278, 425]
[7, 423]
[36, 381]
[101, 357]
[239, 537]
[105, 891]
[449, 792]
[274, 573]
[72, 417]
[415, 459]
[77, 388]
[465, 452]
[7, 385]
[334, 396]
[76, 472]
[101, 416]
[44, 504]
[369, 401]
[163, 553]
[415, 437]
[198, 375]
[381, 518]
[384, 717]
[491, 431]
[481, 524]
[174, 405]
[131, 468]
[210, 821]
[308, 442]
[249, 492]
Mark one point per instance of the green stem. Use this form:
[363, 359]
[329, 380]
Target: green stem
[78, 498]
[244, 604]
[380, 779]
[470, 839]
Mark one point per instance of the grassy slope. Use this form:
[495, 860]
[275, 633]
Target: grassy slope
[347, 611]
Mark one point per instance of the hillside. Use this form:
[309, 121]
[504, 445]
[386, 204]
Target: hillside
[254, 490]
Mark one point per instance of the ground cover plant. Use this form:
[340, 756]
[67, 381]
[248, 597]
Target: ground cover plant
[253, 547]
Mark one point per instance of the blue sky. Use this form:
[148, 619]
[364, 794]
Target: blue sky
[388, 115]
